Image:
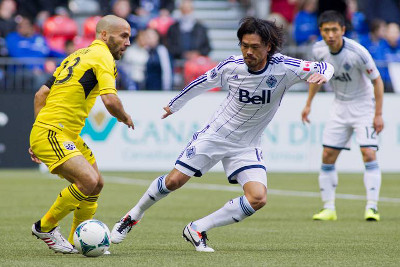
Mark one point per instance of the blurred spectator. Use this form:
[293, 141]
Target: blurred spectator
[375, 43]
[388, 10]
[162, 23]
[123, 9]
[158, 66]
[25, 43]
[305, 25]
[133, 63]
[286, 8]
[187, 38]
[8, 10]
[69, 47]
[392, 49]
[358, 21]
[145, 10]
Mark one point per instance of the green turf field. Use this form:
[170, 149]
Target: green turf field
[281, 234]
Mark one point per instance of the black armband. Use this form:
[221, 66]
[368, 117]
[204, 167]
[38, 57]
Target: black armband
[50, 81]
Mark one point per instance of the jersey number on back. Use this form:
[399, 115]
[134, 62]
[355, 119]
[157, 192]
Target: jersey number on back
[70, 70]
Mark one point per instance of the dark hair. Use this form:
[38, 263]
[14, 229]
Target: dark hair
[376, 24]
[331, 16]
[267, 30]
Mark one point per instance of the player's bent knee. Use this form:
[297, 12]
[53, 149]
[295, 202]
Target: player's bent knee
[257, 201]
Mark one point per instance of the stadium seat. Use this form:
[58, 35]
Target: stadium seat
[89, 32]
[58, 29]
[161, 24]
[89, 27]
[198, 66]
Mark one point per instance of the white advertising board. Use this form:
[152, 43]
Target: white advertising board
[288, 145]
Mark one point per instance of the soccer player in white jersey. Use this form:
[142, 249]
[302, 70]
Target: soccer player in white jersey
[257, 81]
[357, 108]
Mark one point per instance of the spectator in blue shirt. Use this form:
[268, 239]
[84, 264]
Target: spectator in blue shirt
[375, 43]
[305, 25]
[23, 44]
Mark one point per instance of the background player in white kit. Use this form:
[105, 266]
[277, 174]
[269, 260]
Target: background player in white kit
[357, 108]
[257, 82]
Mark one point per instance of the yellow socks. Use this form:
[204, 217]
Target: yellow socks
[85, 211]
[67, 201]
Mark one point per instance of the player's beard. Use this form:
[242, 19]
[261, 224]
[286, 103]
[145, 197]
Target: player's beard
[114, 48]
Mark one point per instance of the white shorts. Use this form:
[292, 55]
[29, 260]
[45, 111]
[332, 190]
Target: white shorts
[241, 164]
[348, 117]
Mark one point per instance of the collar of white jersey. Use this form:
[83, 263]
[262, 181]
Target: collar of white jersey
[340, 50]
[259, 71]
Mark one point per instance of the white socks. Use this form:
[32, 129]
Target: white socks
[156, 191]
[328, 180]
[233, 211]
[372, 182]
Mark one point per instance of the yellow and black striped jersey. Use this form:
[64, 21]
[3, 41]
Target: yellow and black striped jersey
[79, 79]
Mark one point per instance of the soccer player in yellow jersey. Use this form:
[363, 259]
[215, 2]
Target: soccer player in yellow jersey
[61, 107]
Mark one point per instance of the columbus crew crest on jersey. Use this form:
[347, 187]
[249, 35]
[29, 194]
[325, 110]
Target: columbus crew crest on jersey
[271, 81]
[69, 145]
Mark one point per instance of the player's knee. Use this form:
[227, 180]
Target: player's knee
[90, 182]
[257, 201]
[99, 186]
[368, 155]
[173, 182]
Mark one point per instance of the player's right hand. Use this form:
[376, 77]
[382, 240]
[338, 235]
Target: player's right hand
[129, 122]
[33, 156]
[304, 114]
[167, 112]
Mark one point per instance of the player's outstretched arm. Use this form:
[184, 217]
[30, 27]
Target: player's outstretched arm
[378, 92]
[313, 89]
[114, 106]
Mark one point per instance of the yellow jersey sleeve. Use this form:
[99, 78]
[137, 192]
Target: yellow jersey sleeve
[105, 72]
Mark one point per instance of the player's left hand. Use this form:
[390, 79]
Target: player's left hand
[317, 78]
[378, 124]
[33, 156]
[167, 112]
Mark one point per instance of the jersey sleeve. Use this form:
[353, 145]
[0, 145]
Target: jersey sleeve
[368, 65]
[209, 80]
[302, 70]
[105, 72]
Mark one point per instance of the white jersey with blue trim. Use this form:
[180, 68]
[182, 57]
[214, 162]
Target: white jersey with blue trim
[253, 97]
[354, 69]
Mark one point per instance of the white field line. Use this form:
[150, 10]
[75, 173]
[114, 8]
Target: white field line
[215, 187]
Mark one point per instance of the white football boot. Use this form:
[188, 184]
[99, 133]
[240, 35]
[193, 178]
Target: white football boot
[53, 239]
[121, 229]
[197, 239]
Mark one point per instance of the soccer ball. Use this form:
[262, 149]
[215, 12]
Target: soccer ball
[92, 238]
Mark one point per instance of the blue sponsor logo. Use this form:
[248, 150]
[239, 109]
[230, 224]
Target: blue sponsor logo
[102, 134]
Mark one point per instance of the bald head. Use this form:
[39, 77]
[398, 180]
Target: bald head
[110, 23]
[115, 32]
